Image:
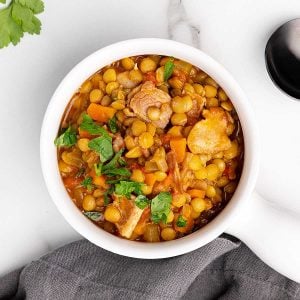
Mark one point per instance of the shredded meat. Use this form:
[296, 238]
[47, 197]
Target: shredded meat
[194, 114]
[118, 142]
[209, 136]
[131, 214]
[147, 96]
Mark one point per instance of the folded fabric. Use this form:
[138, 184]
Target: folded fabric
[223, 269]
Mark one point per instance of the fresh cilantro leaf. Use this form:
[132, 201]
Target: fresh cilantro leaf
[113, 163]
[88, 183]
[122, 162]
[103, 146]
[160, 207]
[93, 215]
[125, 188]
[91, 127]
[106, 195]
[37, 6]
[112, 125]
[24, 17]
[168, 71]
[181, 222]
[67, 139]
[17, 18]
[118, 171]
[141, 201]
[98, 168]
[10, 31]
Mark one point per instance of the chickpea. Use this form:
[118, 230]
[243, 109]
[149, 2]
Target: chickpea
[137, 175]
[176, 83]
[106, 100]
[213, 171]
[198, 204]
[96, 96]
[64, 167]
[112, 214]
[168, 234]
[182, 104]
[95, 80]
[179, 119]
[111, 86]
[232, 152]
[227, 105]
[175, 131]
[222, 181]
[170, 217]
[83, 145]
[198, 88]
[86, 87]
[151, 129]
[178, 200]
[222, 95]
[212, 102]
[138, 127]
[195, 163]
[210, 191]
[153, 113]
[146, 189]
[220, 164]
[147, 65]
[210, 81]
[210, 91]
[135, 76]
[188, 88]
[98, 193]
[127, 63]
[146, 140]
[201, 173]
[159, 74]
[89, 203]
[186, 210]
[118, 104]
[134, 153]
[160, 176]
[110, 75]
[129, 142]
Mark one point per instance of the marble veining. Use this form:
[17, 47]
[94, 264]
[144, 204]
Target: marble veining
[180, 27]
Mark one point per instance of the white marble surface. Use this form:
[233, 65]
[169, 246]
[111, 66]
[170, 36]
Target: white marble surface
[233, 32]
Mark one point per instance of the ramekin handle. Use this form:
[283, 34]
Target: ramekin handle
[272, 233]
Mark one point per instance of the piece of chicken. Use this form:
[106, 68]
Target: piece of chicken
[149, 96]
[130, 213]
[194, 114]
[209, 136]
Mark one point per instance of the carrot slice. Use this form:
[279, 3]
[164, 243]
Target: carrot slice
[100, 113]
[178, 145]
[100, 181]
[150, 179]
[84, 134]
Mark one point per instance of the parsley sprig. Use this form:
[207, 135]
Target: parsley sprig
[17, 18]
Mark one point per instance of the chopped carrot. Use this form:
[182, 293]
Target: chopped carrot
[194, 193]
[72, 182]
[178, 145]
[169, 180]
[141, 225]
[100, 113]
[84, 134]
[150, 76]
[150, 179]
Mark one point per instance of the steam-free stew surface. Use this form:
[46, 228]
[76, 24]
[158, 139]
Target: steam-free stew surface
[150, 148]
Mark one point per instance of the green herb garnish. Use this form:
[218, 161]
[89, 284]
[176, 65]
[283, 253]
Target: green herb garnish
[125, 188]
[117, 172]
[113, 163]
[181, 222]
[103, 147]
[91, 127]
[141, 201]
[160, 207]
[88, 183]
[107, 193]
[168, 70]
[98, 168]
[112, 124]
[93, 215]
[66, 139]
[18, 18]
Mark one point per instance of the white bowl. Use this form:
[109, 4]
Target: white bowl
[51, 124]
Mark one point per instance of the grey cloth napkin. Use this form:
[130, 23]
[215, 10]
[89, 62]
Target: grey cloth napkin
[223, 269]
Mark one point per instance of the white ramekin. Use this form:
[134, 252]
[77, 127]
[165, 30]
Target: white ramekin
[48, 153]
